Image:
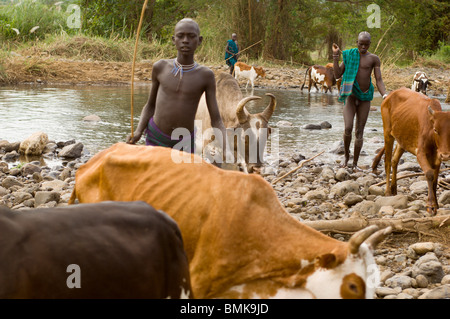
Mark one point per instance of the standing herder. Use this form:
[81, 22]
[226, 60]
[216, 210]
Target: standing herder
[357, 90]
[232, 52]
[177, 86]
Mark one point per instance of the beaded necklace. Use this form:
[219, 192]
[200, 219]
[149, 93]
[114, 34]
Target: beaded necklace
[180, 69]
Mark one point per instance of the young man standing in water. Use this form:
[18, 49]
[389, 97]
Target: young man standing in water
[177, 86]
[357, 90]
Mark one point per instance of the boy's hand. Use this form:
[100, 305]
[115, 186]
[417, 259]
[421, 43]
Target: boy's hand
[133, 140]
[336, 49]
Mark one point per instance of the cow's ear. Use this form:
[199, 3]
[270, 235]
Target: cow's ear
[429, 83]
[326, 261]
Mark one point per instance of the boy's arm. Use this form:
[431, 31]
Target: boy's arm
[337, 69]
[379, 80]
[149, 108]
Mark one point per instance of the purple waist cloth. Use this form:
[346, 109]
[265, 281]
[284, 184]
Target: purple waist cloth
[156, 137]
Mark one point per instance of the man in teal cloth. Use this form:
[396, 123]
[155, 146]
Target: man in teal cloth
[232, 52]
[357, 90]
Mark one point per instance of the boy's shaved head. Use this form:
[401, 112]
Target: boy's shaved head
[188, 21]
[364, 35]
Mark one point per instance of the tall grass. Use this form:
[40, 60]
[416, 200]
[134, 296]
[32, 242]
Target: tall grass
[29, 20]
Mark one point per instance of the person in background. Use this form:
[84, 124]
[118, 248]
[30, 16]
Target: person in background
[232, 52]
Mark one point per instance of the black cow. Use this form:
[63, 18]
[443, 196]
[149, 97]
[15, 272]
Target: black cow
[105, 250]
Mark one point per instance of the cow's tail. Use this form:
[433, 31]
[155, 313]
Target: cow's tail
[73, 196]
[377, 160]
[304, 81]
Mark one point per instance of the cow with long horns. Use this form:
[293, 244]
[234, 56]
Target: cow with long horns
[248, 133]
[239, 239]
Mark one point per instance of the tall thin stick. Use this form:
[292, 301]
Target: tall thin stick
[297, 168]
[245, 49]
[144, 7]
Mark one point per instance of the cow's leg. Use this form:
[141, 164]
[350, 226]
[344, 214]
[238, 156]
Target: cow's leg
[362, 113]
[398, 152]
[317, 89]
[309, 84]
[388, 145]
[435, 182]
[430, 167]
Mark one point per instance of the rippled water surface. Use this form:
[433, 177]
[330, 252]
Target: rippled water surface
[58, 111]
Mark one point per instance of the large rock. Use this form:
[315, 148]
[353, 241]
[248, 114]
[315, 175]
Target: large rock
[430, 267]
[34, 145]
[444, 198]
[420, 187]
[9, 147]
[422, 248]
[398, 202]
[10, 181]
[442, 292]
[92, 118]
[367, 208]
[342, 175]
[44, 197]
[30, 169]
[327, 173]
[399, 281]
[343, 188]
[72, 150]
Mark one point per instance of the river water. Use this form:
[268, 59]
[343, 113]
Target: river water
[59, 112]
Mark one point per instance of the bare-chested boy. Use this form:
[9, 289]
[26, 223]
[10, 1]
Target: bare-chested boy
[357, 90]
[177, 86]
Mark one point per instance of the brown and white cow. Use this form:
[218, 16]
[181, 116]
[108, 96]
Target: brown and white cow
[239, 239]
[105, 250]
[248, 132]
[322, 75]
[242, 70]
[420, 82]
[419, 126]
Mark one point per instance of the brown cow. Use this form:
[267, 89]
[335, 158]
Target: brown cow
[322, 75]
[239, 239]
[248, 132]
[105, 250]
[420, 127]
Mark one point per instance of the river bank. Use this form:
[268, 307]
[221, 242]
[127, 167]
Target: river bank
[414, 264]
[50, 70]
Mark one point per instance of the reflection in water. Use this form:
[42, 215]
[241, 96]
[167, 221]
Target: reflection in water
[58, 111]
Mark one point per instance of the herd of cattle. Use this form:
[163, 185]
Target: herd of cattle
[140, 225]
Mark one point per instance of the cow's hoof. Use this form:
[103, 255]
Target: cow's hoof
[432, 210]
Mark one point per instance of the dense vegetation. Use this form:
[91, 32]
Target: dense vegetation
[290, 30]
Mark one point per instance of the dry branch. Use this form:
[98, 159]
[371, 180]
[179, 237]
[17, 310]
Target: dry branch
[297, 168]
[357, 222]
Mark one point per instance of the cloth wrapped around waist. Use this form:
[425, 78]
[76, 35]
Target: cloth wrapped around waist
[363, 96]
[156, 137]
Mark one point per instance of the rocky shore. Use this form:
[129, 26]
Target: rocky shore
[413, 265]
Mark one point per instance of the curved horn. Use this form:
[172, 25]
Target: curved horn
[359, 237]
[240, 113]
[430, 110]
[378, 237]
[267, 113]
